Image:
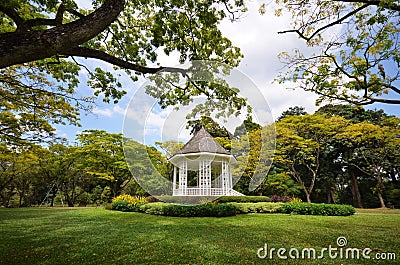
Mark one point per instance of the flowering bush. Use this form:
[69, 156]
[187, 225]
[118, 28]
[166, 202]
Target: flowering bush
[134, 200]
[127, 203]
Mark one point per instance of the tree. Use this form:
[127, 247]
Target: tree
[18, 174]
[296, 110]
[170, 147]
[372, 148]
[54, 39]
[301, 141]
[342, 150]
[254, 152]
[353, 113]
[30, 102]
[357, 58]
[101, 155]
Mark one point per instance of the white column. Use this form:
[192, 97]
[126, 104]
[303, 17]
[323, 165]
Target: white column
[226, 183]
[201, 177]
[174, 182]
[208, 177]
[183, 178]
[229, 175]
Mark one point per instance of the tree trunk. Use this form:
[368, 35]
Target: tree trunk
[331, 195]
[379, 188]
[53, 197]
[20, 198]
[381, 199]
[355, 191]
[307, 195]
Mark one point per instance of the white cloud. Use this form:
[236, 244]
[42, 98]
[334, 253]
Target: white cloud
[103, 112]
[85, 4]
[107, 112]
[260, 43]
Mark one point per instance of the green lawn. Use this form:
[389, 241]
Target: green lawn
[98, 236]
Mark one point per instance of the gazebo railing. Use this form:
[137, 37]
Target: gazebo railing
[204, 192]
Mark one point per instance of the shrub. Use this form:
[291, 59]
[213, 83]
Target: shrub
[276, 198]
[127, 203]
[259, 207]
[394, 198]
[317, 209]
[242, 199]
[179, 210]
[122, 206]
[295, 199]
[83, 199]
[130, 199]
[187, 199]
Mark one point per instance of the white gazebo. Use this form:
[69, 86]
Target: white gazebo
[204, 162]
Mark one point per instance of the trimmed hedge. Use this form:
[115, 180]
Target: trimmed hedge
[179, 210]
[233, 208]
[242, 199]
[259, 207]
[317, 209]
[124, 206]
[187, 199]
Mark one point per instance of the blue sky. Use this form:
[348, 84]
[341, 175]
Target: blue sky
[257, 37]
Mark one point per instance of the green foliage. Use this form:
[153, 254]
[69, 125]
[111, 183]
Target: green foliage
[83, 199]
[355, 66]
[43, 92]
[242, 199]
[254, 152]
[292, 111]
[186, 199]
[259, 207]
[200, 210]
[106, 194]
[123, 206]
[394, 198]
[317, 209]
[127, 203]
[33, 103]
[301, 142]
[280, 184]
[134, 200]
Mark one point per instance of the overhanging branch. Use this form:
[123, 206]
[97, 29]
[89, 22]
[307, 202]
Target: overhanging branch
[393, 6]
[96, 54]
[336, 22]
[27, 46]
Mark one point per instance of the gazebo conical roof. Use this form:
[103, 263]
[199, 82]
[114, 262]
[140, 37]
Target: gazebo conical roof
[202, 142]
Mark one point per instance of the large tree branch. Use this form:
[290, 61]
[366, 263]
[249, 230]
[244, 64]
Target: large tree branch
[96, 54]
[10, 12]
[26, 46]
[373, 2]
[28, 24]
[336, 22]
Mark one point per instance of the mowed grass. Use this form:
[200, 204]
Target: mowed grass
[98, 236]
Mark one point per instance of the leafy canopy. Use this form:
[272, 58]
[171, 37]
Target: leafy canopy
[354, 49]
[45, 45]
